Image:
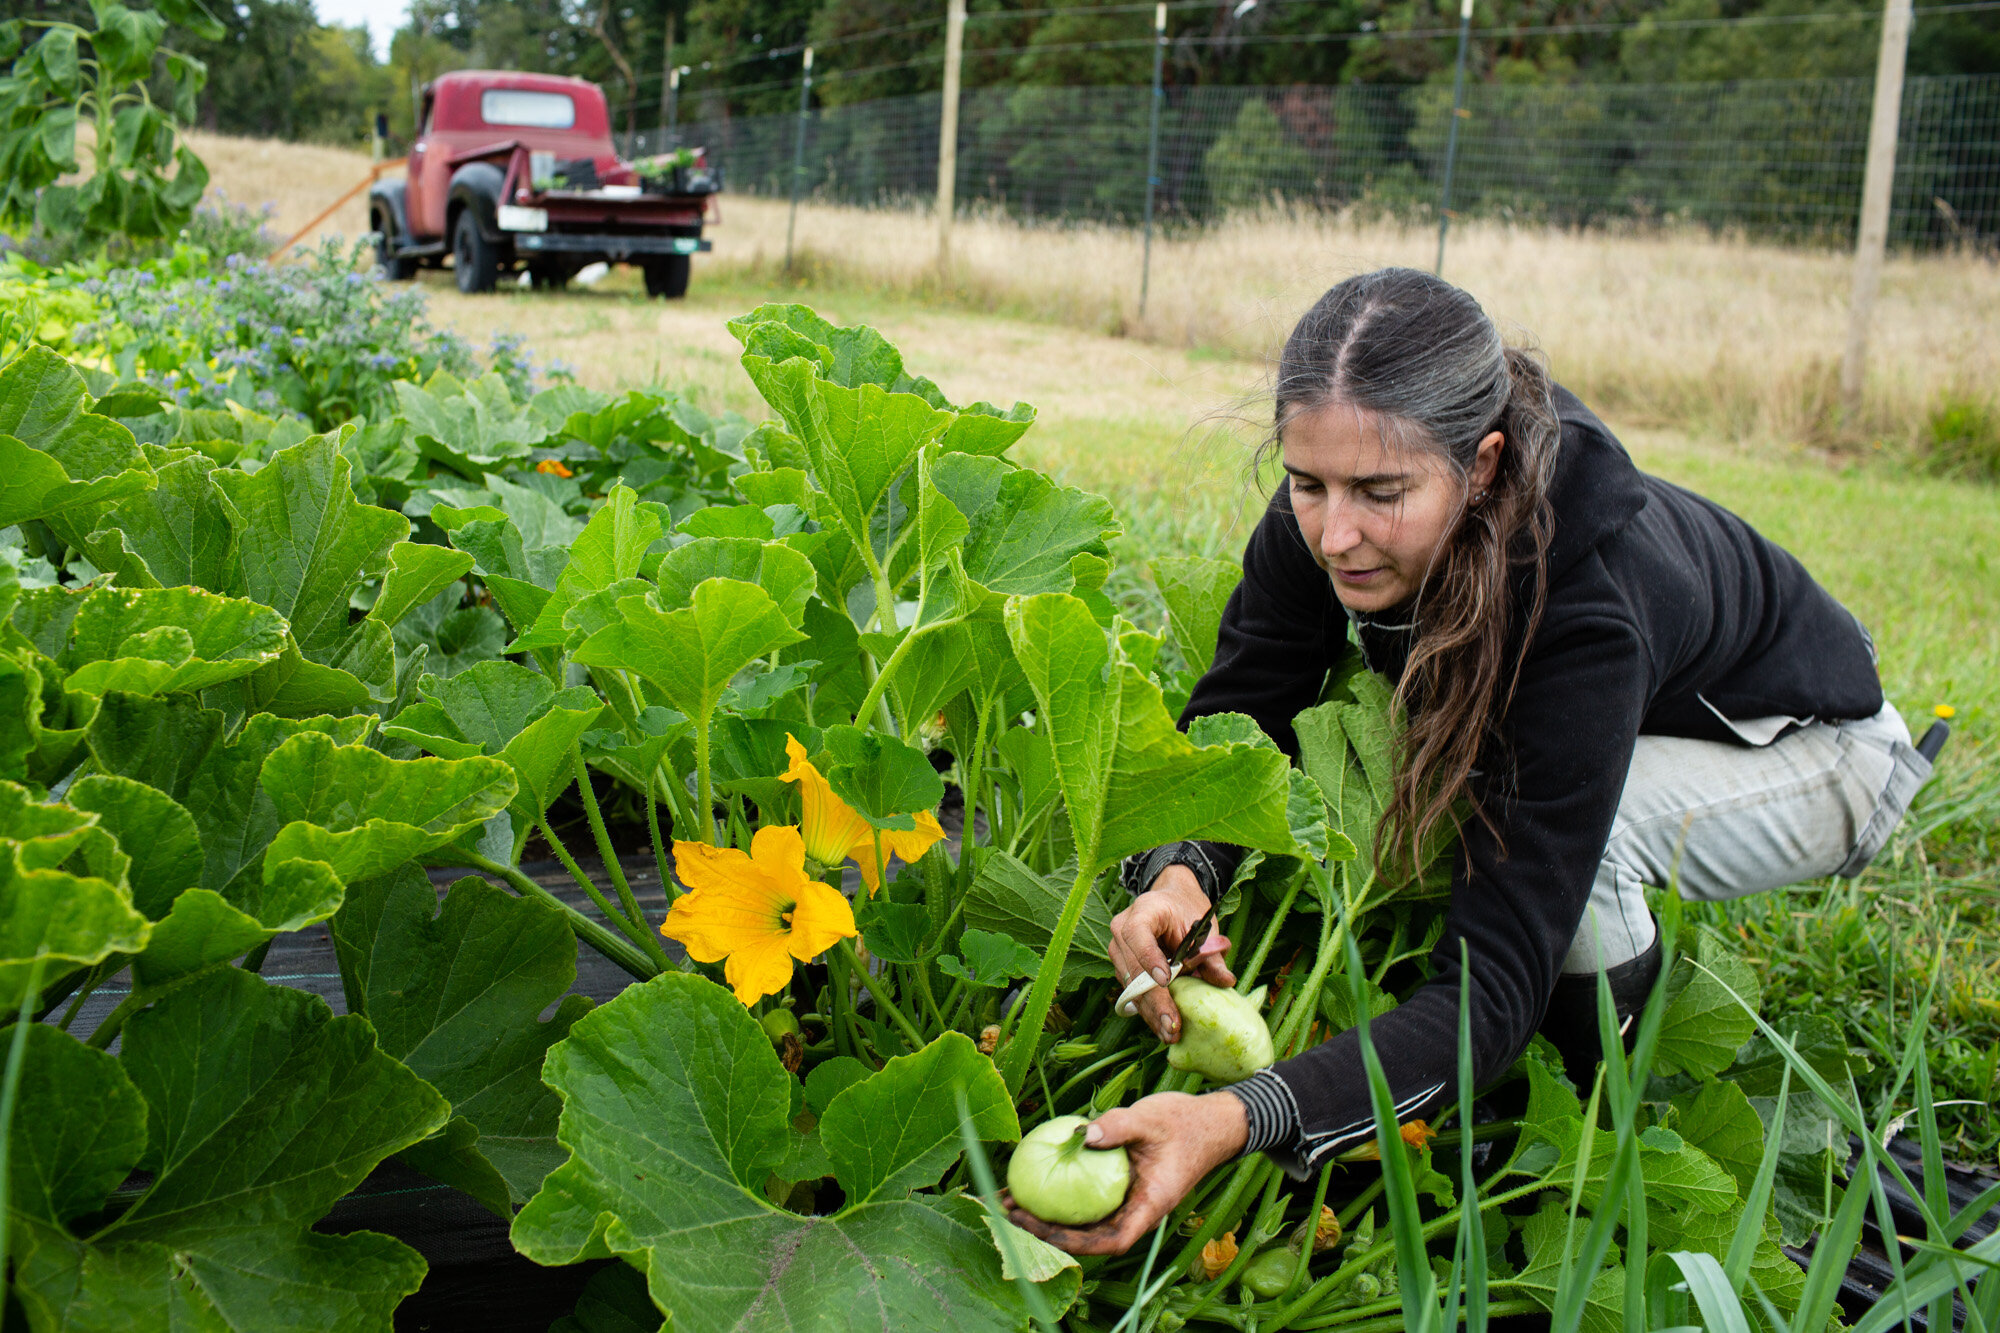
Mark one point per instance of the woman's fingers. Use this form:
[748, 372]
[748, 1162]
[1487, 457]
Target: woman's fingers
[1174, 1140]
[1161, 1014]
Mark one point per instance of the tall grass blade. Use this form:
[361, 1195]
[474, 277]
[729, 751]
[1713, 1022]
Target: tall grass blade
[989, 1194]
[1419, 1284]
[1709, 1285]
[1470, 1221]
[1904, 1298]
[10, 1092]
[1933, 1154]
[1849, 1115]
[1750, 1227]
[1830, 1256]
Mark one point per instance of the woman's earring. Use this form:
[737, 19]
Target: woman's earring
[1479, 498]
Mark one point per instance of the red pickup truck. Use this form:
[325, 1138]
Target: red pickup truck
[517, 171]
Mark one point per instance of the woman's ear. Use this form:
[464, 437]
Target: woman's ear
[1486, 462]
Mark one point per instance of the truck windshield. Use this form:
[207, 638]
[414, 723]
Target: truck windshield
[515, 106]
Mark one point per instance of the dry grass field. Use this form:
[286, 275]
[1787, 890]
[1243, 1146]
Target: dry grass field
[1716, 335]
[1720, 337]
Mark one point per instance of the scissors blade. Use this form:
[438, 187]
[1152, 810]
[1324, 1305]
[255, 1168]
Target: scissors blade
[1191, 942]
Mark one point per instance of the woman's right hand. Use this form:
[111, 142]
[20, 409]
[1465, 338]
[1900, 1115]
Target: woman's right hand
[1153, 926]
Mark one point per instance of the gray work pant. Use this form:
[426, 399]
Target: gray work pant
[1731, 820]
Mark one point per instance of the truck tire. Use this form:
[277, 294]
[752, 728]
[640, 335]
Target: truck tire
[667, 276]
[393, 268]
[474, 257]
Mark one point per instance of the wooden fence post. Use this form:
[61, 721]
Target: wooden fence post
[947, 186]
[1878, 184]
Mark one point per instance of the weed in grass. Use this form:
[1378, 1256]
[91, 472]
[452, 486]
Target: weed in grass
[1962, 437]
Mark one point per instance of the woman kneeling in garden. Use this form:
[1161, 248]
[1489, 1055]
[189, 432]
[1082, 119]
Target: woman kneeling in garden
[1620, 680]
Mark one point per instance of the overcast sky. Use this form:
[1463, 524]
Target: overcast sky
[380, 17]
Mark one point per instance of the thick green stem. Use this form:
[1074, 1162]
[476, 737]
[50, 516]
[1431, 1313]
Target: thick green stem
[10, 1088]
[1300, 1273]
[1245, 1252]
[1386, 1316]
[611, 945]
[611, 914]
[873, 700]
[634, 914]
[1250, 1173]
[881, 994]
[137, 999]
[659, 848]
[704, 794]
[1246, 976]
[1020, 1052]
[1308, 1002]
[1432, 1229]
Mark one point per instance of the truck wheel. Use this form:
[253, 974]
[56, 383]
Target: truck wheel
[393, 268]
[473, 255]
[667, 276]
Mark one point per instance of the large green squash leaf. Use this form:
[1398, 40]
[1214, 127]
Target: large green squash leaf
[507, 711]
[457, 994]
[690, 655]
[1195, 589]
[177, 746]
[59, 463]
[1704, 1026]
[1552, 1247]
[174, 535]
[1130, 779]
[304, 542]
[611, 548]
[164, 640]
[256, 1109]
[470, 428]
[364, 814]
[418, 571]
[675, 1110]
[859, 440]
[1025, 531]
[1009, 898]
[62, 893]
[773, 566]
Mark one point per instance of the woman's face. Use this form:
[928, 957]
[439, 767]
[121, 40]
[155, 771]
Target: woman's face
[1374, 515]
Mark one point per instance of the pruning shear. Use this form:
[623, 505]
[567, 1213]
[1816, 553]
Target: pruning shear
[1190, 945]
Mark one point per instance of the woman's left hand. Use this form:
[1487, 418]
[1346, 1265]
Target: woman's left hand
[1174, 1140]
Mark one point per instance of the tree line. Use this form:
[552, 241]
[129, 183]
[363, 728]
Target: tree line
[278, 71]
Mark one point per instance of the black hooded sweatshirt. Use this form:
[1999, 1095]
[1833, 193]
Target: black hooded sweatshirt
[1665, 615]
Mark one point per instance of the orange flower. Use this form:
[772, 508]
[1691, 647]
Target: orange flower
[759, 911]
[1417, 1134]
[1218, 1255]
[553, 467]
[834, 831]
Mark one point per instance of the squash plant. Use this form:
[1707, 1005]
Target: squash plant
[142, 182]
[238, 698]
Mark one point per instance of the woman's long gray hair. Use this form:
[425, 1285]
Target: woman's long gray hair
[1426, 364]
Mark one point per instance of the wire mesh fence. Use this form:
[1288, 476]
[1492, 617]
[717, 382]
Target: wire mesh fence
[1778, 159]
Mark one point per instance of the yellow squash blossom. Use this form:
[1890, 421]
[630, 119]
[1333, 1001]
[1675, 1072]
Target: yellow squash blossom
[553, 467]
[834, 832]
[759, 911]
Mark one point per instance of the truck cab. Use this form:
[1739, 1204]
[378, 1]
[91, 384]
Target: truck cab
[514, 171]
